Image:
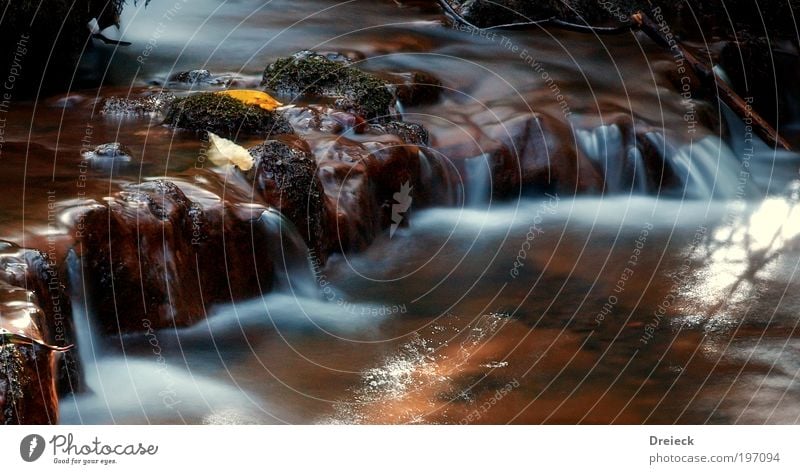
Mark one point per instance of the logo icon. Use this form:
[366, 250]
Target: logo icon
[403, 199]
[31, 447]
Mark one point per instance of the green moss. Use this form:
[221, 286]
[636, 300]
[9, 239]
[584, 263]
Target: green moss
[287, 178]
[225, 116]
[312, 74]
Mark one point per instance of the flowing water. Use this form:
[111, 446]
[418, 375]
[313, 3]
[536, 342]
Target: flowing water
[632, 306]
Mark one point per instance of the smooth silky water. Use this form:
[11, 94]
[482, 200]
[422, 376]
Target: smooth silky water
[627, 307]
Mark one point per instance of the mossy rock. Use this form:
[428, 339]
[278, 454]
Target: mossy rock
[311, 74]
[408, 132]
[286, 177]
[225, 116]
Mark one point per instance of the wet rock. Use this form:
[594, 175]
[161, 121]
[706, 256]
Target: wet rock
[34, 314]
[201, 78]
[354, 208]
[360, 180]
[108, 155]
[407, 132]
[192, 77]
[28, 393]
[417, 88]
[320, 118]
[342, 57]
[361, 167]
[151, 104]
[352, 90]
[51, 311]
[285, 177]
[225, 116]
[532, 154]
[165, 258]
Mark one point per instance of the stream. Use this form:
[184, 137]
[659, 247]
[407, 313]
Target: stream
[628, 305]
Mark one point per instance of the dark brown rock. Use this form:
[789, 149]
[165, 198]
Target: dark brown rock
[36, 273]
[153, 256]
[28, 392]
[285, 177]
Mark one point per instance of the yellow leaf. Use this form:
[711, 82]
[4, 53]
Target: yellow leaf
[253, 97]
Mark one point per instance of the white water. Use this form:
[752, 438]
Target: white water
[293, 270]
[707, 168]
[478, 181]
[604, 146]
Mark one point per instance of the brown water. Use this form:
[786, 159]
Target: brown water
[626, 308]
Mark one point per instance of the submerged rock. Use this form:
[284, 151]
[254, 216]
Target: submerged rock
[361, 167]
[311, 74]
[201, 78]
[225, 116]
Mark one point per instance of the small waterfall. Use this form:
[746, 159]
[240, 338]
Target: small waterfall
[426, 171]
[440, 179]
[89, 345]
[707, 168]
[636, 160]
[293, 270]
[141, 386]
[604, 147]
[478, 181]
